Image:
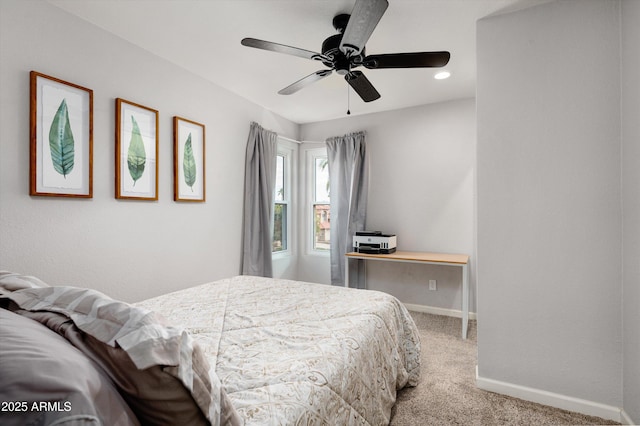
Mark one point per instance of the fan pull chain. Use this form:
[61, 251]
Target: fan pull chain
[348, 101]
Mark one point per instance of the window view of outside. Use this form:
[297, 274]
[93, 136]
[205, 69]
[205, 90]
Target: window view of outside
[280, 212]
[321, 206]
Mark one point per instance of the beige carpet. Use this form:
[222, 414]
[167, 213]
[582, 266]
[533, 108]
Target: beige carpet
[447, 394]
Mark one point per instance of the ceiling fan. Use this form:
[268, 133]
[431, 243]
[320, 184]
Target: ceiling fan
[345, 51]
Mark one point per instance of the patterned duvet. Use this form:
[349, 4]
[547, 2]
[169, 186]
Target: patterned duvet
[290, 352]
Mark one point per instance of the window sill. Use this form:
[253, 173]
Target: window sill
[281, 254]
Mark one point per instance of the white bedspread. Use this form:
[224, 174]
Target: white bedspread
[290, 352]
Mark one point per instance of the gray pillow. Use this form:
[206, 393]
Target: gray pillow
[45, 380]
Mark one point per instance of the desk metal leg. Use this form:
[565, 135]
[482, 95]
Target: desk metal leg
[465, 299]
[346, 272]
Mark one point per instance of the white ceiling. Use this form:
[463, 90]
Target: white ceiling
[204, 36]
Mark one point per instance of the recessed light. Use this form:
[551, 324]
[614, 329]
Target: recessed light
[442, 75]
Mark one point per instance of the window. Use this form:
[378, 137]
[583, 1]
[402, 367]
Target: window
[321, 204]
[280, 222]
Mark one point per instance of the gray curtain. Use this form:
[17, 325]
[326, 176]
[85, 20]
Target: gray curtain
[349, 186]
[259, 187]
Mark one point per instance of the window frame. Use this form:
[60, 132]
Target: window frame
[309, 219]
[287, 154]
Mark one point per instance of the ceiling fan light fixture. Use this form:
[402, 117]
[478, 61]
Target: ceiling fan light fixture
[442, 75]
[342, 65]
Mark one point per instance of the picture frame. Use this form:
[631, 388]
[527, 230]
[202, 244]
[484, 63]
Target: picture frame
[136, 153]
[61, 138]
[189, 151]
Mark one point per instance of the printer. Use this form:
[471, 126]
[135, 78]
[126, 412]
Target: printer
[374, 242]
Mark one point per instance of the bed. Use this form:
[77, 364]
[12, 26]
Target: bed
[244, 350]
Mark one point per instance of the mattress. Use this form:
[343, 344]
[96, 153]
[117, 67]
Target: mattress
[291, 352]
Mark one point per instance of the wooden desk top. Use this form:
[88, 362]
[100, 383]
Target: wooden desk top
[414, 256]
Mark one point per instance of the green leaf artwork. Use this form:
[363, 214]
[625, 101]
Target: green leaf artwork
[189, 164]
[61, 141]
[136, 157]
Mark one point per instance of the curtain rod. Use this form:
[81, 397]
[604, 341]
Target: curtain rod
[295, 141]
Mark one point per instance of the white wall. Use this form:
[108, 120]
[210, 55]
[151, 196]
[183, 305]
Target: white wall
[128, 249]
[421, 188]
[630, 90]
[549, 200]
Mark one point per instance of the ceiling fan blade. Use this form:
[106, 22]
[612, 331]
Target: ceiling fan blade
[407, 60]
[362, 86]
[304, 82]
[280, 48]
[365, 16]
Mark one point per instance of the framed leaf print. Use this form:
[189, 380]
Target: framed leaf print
[61, 138]
[136, 151]
[188, 160]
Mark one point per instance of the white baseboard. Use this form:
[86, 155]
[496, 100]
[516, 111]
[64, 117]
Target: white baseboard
[625, 419]
[438, 311]
[564, 402]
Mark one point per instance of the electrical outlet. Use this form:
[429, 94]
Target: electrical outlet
[432, 285]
